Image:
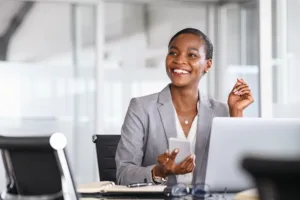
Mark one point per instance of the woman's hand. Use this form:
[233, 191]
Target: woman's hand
[239, 98]
[166, 164]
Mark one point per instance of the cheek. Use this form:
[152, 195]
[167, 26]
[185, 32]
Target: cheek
[198, 66]
[168, 61]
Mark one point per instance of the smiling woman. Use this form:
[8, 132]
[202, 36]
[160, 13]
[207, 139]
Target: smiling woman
[178, 111]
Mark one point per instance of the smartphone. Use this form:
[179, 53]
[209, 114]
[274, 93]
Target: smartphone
[184, 147]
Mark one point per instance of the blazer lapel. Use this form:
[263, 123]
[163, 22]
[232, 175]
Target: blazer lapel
[205, 116]
[166, 112]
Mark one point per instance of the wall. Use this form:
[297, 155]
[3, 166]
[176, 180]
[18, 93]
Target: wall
[43, 87]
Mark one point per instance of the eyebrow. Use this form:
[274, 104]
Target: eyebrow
[173, 47]
[191, 48]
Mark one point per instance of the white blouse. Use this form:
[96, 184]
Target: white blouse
[187, 178]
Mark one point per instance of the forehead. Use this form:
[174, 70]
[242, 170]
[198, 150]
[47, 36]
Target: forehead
[187, 40]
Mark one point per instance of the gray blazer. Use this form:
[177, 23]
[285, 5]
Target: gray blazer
[149, 122]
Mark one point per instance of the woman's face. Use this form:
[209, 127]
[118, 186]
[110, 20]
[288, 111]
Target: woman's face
[186, 60]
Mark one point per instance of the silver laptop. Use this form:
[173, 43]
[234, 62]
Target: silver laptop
[234, 138]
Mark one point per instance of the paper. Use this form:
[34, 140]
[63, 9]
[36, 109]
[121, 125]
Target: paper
[110, 187]
[148, 189]
[250, 194]
[94, 187]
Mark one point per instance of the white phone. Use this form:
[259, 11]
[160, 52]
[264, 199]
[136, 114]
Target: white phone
[184, 147]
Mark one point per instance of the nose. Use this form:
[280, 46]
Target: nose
[180, 59]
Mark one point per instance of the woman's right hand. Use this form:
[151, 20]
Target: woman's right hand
[166, 164]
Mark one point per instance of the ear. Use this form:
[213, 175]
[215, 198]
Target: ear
[208, 65]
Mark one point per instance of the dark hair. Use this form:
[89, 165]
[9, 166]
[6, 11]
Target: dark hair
[208, 45]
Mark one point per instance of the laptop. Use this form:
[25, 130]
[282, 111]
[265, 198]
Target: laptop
[232, 139]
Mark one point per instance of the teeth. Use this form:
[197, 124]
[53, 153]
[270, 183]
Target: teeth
[180, 71]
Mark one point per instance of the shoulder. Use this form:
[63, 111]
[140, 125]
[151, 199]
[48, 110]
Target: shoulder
[220, 108]
[144, 102]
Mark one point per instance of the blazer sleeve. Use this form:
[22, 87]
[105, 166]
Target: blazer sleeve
[130, 150]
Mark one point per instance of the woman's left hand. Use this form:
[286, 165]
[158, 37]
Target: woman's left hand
[239, 98]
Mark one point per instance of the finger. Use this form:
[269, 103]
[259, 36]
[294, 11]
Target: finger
[163, 157]
[190, 167]
[248, 97]
[239, 87]
[167, 153]
[190, 159]
[164, 162]
[247, 92]
[243, 91]
[236, 84]
[187, 158]
[242, 81]
[173, 155]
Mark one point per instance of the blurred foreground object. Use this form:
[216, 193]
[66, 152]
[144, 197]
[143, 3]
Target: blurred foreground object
[275, 179]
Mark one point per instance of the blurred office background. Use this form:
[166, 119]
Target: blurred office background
[72, 66]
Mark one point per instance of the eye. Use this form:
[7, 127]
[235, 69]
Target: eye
[172, 53]
[192, 55]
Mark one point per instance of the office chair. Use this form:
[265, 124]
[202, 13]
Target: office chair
[37, 168]
[275, 179]
[106, 146]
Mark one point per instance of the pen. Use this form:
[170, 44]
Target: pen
[139, 185]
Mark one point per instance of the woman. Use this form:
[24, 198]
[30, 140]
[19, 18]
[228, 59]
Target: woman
[179, 111]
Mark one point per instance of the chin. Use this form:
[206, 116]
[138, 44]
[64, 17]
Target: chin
[179, 84]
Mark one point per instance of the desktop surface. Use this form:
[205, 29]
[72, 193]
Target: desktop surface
[227, 197]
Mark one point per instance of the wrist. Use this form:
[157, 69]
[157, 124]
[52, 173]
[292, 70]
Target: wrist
[158, 176]
[158, 172]
[235, 112]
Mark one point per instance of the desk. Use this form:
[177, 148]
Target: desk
[228, 197]
[250, 194]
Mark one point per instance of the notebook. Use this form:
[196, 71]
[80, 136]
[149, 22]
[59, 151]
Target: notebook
[250, 194]
[109, 188]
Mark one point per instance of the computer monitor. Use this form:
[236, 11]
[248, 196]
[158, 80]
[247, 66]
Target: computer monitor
[37, 167]
[232, 139]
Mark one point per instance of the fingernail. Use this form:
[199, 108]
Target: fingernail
[176, 150]
[234, 90]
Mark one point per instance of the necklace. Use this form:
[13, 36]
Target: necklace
[186, 121]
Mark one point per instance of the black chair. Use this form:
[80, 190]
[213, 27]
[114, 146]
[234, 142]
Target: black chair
[275, 179]
[34, 169]
[106, 146]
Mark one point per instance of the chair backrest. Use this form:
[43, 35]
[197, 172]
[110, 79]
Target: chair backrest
[34, 167]
[106, 146]
[275, 179]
